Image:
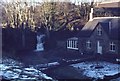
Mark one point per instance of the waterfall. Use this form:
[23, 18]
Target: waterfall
[40, 42]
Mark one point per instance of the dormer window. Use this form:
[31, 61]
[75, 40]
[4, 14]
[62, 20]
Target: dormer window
[99, 31]
[112, 46]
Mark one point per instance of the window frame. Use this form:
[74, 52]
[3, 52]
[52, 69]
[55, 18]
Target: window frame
[112, 46]
[72, 44]
[88, 44]
[99, 31]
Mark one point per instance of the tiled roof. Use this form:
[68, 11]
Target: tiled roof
[104, 22]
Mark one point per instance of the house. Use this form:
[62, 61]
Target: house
[111, 7]
[100, 36]
[109, 4]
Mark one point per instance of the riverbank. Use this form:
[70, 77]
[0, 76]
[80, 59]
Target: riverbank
[41, 61]
[15, 70]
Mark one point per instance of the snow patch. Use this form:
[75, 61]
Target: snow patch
[53, 63]
[11, 75]
[46, 77]
[11, 69]
[108, 69]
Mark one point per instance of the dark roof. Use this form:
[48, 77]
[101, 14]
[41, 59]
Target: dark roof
[105, 26]
[104, 22]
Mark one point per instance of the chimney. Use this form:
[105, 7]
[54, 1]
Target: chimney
[91, 15]
[91, 12]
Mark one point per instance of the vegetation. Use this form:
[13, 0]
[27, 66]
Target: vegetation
[58, 20]
[21, 21]
[54, 15]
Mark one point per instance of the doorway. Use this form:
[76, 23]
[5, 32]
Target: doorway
[99, 47]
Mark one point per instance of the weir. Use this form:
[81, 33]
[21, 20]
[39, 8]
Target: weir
[40, 42]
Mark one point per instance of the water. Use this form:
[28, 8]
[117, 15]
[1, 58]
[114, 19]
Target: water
[11, 70]
[40, 42]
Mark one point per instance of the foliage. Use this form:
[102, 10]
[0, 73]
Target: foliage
[54, 15]
[21, 21]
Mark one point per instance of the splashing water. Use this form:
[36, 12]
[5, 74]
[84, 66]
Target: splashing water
[40, 43]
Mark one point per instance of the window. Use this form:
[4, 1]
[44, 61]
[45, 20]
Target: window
[76, 44]
[88, 44]
[99, 31]
[72, 44]
[67, 43]
[112, 46]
